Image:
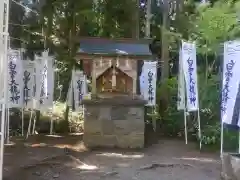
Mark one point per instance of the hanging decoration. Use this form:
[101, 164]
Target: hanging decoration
[149, 82]
[15, 81]
[50, 83]
[28, 83]
[44, 74]
[189, 68]
[231, 80]
[190, 74]
[37, 81]
[141, 79]
[43, 88]
[230, 101]
[181, 103]
[70, 92]
[79, 88]
[181, 84]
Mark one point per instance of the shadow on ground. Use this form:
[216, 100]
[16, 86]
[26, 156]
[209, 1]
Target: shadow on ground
[65, 157]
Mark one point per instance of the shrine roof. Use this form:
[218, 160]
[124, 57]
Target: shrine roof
[104, 46]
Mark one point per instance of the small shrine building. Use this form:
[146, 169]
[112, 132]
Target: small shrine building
[114, 116]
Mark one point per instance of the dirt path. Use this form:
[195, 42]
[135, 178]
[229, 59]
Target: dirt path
[168, 160]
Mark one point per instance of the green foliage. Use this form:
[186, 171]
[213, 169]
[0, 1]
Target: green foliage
[60, 23]
[213, 25]
[211, 134]
[171, 119]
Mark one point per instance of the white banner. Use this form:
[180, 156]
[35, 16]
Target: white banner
[70, 94]
[190, 73]
[70, 91]
[50, 83]
[231, 79]
[150, 80]
[28, 83]
[47, 82]
[86, 85]
[43, 82]
[15, 81]
[2, 69]
[37, 81]
[181, 84]
[141, 79]
[79, 88]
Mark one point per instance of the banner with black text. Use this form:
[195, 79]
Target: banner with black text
[79, 88]
[181, 84]
[230, 85]
[189, 64]
[149, 82]
[15, 81]
[28, 83]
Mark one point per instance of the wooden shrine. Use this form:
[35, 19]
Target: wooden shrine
[114, 116]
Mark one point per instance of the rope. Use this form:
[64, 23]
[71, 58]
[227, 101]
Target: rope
[25, 7]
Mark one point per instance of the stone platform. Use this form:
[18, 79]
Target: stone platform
[230, 166]
[114, 122]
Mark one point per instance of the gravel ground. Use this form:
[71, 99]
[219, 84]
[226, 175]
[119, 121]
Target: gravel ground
[167, 160]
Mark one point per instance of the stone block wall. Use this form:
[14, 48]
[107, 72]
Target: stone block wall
[230, 166]
[114, 123]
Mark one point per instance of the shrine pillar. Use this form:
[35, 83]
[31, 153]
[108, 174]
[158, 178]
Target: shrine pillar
[94, 79]
[134, 79]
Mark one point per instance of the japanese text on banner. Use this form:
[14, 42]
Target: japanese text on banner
[190, 74]
[15, 81]
[150, 80]
[79, 88]
[231, 80]
[28, 83]
[181, 84]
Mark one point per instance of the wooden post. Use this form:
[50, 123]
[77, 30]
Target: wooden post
[94, 79]
[134, 78]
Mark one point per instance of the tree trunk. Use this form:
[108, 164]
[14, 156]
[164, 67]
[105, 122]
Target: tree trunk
[164, 97]
[148, 19]
[165, 42]
[72, 34]
[135, 19]
[46, 33]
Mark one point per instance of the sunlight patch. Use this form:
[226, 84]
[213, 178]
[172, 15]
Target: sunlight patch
[197, 159]
[87, 167]
[123, 165]
[121, 155]
[56, 136]
[35, 145]
[10, 144]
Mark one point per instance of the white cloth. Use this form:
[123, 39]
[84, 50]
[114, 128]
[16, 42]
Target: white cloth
[231, 79]
[15, 81]
[190, 74]
[28, 83]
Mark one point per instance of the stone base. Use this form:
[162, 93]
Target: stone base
[230, 166]
[114, 123]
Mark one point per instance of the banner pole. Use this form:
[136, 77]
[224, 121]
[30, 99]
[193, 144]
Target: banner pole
[34, 126]
[22, 121]
[185, 111]
[5, 125]
[185, 124]
[29, 124]
[199, 130]
[51, 125]
[221, 150]
[239, 141]
[8, 125]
